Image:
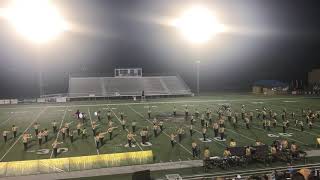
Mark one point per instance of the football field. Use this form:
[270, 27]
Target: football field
[24, 116]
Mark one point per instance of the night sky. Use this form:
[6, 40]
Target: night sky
[270, 40]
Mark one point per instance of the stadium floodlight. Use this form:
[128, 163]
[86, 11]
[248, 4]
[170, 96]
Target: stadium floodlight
[198, 24]
[37, 20]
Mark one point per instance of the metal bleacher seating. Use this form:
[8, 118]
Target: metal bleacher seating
[127, 86]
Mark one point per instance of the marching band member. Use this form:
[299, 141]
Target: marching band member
[67, 126]
[121, 116]
[202, 120]
[221, 132]
[144, 134]
[247, 121]
[123, 124]
[101, 137]
[155, 130]
[192, 119]
[39, 136]
[25, 139]
[226, 153]
[54, 126]
[210, 119]
[154, 122]
[208, 112]
[161, 125]
[174, 111]
[109, 115]
[99, 115]
[197, 113]
[46, 134]
[204, 132]
[14, 130]
[191, 130]
[36, 128]
[133, 125]
[232, 143]
[180, 133]
[5, 135]
[172, 136]
[186, 111]
[301, 125]
[110, 130]
[84, 133]
[71, 132]
[110, 123]
[284, 144]
[194, 149]
[258, 143]
[94, 128]
[55, 147]
[79, 125]
[269, 125]
[63, 131]
[274, 123]
[96, 139]
[234, 122]
[130, 137]
[251, 116]
[243, 111]
[310, 124]
[149, 113]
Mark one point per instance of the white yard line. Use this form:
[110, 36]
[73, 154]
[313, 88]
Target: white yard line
[289, 128]
[297, 129]
[32, 122]
[212, 139]
[229, 129]
[315, 125]
[6, 120]
[61, 123]
[126, 128]
[178, 109]
[163, 131]
[94, 140]
[285, 137]
[241, 135]
[161, 102]
[305, 132]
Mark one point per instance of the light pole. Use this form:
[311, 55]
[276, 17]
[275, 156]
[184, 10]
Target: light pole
[198, 77]
[40, 83]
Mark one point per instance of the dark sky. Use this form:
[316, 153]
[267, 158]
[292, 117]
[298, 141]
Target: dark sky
[271, 40]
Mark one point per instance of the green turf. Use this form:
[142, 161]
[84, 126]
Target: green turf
[24, 116]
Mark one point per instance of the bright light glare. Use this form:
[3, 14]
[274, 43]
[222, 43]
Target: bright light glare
[37, 20]
[198, 25]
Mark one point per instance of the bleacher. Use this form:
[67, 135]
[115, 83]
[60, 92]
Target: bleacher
[175, 85]
[86, 86]
[126, 86]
